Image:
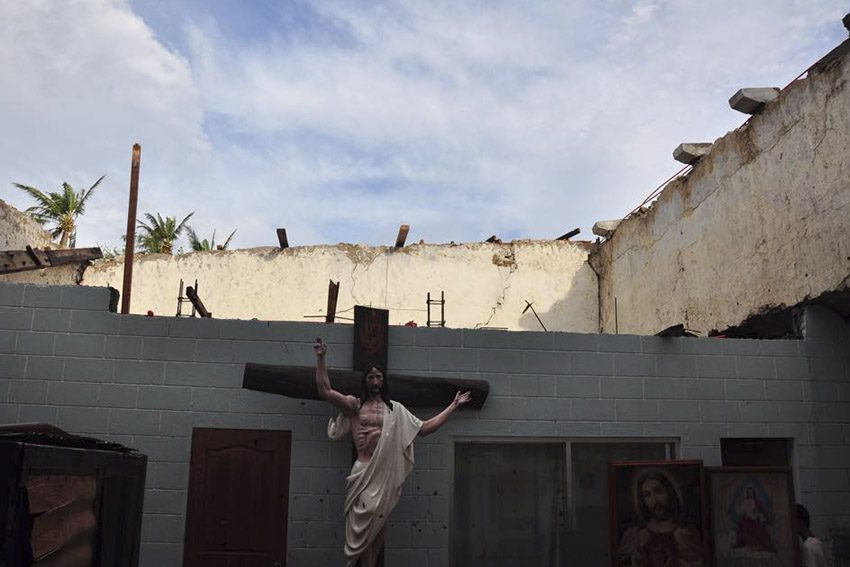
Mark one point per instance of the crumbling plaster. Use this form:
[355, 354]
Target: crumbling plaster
[762, 221]
[485, 285]
[17, 230]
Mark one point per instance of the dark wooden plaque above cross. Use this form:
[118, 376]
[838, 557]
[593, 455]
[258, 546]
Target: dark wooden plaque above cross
[371, 344]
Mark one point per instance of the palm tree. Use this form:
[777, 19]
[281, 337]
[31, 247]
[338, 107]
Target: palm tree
[59, 210]
[205, 245]
[159, 234]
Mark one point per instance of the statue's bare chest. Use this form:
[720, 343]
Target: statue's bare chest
[371, 416]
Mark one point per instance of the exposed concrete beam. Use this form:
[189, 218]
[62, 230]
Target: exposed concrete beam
[606, 227]
[690, 153]
[751, 101]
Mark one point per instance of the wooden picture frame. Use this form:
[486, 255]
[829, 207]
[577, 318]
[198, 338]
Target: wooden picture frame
[753, 516]
[658, 513]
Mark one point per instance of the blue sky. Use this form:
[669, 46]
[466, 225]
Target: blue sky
[341, 120]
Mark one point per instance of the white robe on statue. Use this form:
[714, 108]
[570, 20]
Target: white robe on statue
[373, 489]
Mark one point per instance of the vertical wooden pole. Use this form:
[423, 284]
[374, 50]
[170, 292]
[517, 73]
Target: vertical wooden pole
[130, 242]
[333, 295]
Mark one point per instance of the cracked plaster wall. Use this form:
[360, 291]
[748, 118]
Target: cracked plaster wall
[485, 285]
[762, 221]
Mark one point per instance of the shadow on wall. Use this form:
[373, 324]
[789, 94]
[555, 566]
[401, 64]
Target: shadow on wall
[562, 315]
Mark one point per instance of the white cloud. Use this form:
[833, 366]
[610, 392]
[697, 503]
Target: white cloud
[460, 118]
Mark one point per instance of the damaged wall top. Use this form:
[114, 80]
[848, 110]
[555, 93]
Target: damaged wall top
[761, 222]
[485, 285]
[17, 230]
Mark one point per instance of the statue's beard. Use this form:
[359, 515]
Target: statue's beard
[374, 389]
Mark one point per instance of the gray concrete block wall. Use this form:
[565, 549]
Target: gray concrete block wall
[146, 382]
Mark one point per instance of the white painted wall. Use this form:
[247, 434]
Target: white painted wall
[486, 285]
[762, 221]
[17, 230]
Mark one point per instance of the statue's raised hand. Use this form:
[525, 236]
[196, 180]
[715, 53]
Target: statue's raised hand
[462, 398]
[320, 347]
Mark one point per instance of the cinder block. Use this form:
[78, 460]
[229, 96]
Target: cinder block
[9, 413]
[216, 351]
[527, 385]
[821, 369]
[710, 455]
[678, 365]
[666, 430]
[153, 554]
[590, 364]
[165, 502]
[821, 391]
[16, 319]
[720, 411]
[88, 370]
[500, 361]
[28, 392]
[704, 389]
[12, 365]
[244, 330]
[87, 346]
[57, 320]
[407, 557]
[409, 358]
[664, 388]
[163, 528]
[209, 399]
[816, 348]
[38, 414]
[619, 343]
[73, 394]
[779, 347]
[123, 347]
[622, 387]
[790, 412]
[438, 337]
[5, 386]
[716, 367]
[675, 410]
[784, 390]
[305, 332]
[637, 410]
[427, 535]
[181, 424]
[43, 296]
[745, 390]
[86, 298]
[633, 429]
[576, 342]
[172, 476]
[134, 422]
[827, 412]
[704, 346]
[593, 410]
[164, 397]
[137, 325]
[157, 348]
[299, 354]
[196, 327]
[524, 340]
[8, 340]
[748, 430]
[36, 343]
[83, 421]
[827, 434]
[117, 396]
[577, 387]
[799, 432]
[635, 365]
[743, 347]
[202, 374]
[580, 429]
[756, 368]
[661, 345]
[792, 369]
[308, 507]
[454, 359]
[542, 408]
[102, 322]
[759, 412]
[547, 362]
[11, 294]
[702, 435]
[164, 449]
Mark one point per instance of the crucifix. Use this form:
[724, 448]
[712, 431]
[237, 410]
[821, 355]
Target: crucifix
[382, 429]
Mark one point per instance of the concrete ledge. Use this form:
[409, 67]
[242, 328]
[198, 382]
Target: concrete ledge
[750, 101]
[690, 153]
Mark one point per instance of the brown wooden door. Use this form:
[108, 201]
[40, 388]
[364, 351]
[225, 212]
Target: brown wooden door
[238, 498]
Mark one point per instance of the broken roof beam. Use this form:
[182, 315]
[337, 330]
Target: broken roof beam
[281, 238]
[12, 261]
[690, 153]
[413, 391]
[752, 100]
[402, 235]
[606, 227]
[570, 234]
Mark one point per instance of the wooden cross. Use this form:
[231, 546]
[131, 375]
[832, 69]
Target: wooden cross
[371, 328]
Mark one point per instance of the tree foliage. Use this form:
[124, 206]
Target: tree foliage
[59, 211]
[158, 234]
[205, 245]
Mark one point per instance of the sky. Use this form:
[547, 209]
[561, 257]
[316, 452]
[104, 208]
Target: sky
[341, 120]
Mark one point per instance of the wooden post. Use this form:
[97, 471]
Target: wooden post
[402, 235]
[130, 242]
[281, 238]
[333, 294]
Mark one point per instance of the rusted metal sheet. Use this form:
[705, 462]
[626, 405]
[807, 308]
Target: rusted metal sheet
[413, 391]
[33, 258]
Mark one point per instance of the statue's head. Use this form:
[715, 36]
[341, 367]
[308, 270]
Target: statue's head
[374, 382]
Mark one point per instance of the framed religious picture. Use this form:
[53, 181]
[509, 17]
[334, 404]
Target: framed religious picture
[753, 517]
[658, 515]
